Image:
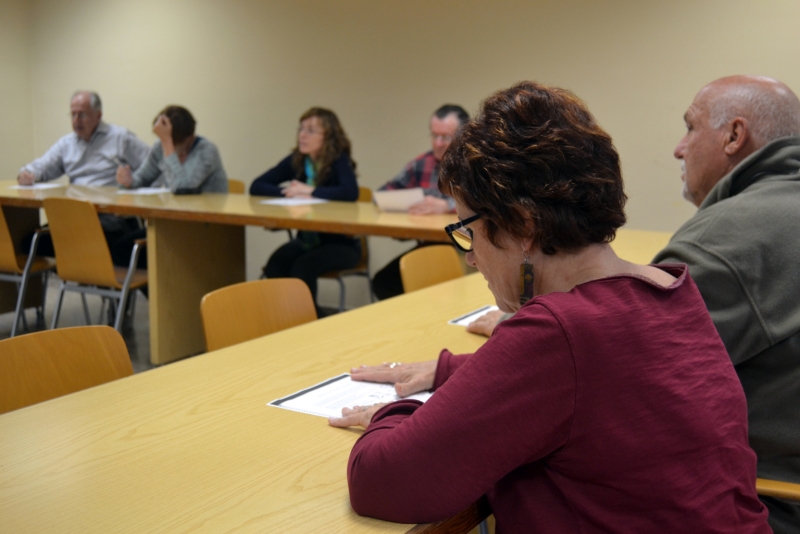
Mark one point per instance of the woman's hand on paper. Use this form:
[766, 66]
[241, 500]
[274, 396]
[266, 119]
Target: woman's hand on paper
[408, 378]
[356, 416]
[485, 324]
[297, 189]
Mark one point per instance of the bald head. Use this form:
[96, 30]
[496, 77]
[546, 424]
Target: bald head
[728, 120]
[771, 109]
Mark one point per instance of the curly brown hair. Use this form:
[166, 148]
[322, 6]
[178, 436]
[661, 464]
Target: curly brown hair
[335, 142]
[183, 123]
[536, 153]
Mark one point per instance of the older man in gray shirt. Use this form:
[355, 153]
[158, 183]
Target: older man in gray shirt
[89, 156]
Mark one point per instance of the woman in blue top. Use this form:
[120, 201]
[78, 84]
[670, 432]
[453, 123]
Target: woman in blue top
[320, 166]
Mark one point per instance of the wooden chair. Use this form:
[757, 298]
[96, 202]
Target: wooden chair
[236, 186]
[19, 268]
[241, 312]
[776, 488]
[427, 266]
[362, 269]
[83, 259]
[45, 365]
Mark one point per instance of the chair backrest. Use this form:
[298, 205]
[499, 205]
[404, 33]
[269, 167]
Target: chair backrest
[241, 312]
[8, 256]
[81, 248]
[235, 186]
[364, 194]
[45, 365]
[779, 489]
[427, 266]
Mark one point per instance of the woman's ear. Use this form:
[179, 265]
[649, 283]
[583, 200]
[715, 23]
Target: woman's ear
[530, 229]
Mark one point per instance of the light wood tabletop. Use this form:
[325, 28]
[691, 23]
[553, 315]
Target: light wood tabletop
[196, 244]
[193, 447]
[242, 210]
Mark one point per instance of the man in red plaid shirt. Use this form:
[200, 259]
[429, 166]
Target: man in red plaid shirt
[422, 172]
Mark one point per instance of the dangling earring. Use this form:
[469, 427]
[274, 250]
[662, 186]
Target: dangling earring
[525, 280]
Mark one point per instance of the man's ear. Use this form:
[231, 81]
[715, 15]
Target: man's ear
[737, 137]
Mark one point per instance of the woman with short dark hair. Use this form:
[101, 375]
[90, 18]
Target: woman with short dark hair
[606, 404]
[320, 166]
[182, 160]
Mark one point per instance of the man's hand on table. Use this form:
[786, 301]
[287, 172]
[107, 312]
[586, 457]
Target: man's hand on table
[429, 206]
[26, 178]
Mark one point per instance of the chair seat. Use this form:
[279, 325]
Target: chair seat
[139, 277]
[40, 263]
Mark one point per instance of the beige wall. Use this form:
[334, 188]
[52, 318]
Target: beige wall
[16, 124]
[248, 68]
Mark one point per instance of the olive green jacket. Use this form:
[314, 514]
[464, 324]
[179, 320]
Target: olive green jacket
[743, 251]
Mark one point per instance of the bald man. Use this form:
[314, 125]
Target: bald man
[741, 168]
[90, 156]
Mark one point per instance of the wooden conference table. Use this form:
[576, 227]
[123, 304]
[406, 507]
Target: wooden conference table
[192, 446]
[196, 244]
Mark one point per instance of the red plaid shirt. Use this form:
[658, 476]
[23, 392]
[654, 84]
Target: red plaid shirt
[422, 172]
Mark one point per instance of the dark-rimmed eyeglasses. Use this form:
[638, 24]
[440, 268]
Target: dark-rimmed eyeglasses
[460, 235]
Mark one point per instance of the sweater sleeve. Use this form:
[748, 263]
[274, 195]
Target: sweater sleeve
[505, 407]
[134, 150]
[51, 165]
[447, 364]
[267, 184]
[149, 171]
[733, 310]
[341, 184]
[201, 164]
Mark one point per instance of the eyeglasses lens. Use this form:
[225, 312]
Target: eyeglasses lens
[463, 237]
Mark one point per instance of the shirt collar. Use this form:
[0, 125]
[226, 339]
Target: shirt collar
[102, 129]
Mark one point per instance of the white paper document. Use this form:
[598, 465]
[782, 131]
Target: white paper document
[327, 398]
[398, 199]
[467, 318]
[44, 185]
[144, 191]
[293, 201]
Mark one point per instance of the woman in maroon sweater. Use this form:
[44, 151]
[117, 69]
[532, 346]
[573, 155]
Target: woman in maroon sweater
[606, 404]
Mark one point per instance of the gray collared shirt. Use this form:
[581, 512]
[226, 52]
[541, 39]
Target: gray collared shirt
[90, 163]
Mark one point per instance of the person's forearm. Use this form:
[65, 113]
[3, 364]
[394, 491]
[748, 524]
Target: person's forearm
[191, 174]
[447, 365]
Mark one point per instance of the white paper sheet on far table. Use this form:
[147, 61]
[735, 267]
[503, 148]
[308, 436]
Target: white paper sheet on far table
[144, 191]
[327, 398]
[398, 199]
[293, 201]
[40, 185]
[467, 318]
